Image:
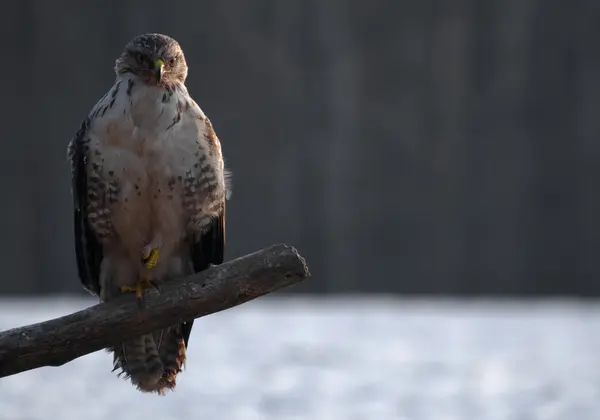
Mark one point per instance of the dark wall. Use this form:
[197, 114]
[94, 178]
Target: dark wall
[402, 146]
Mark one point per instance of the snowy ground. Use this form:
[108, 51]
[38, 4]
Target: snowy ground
[341, 360]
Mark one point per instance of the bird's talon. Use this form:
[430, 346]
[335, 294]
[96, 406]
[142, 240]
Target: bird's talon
[150, 258]
[153, 284]
[137, 289]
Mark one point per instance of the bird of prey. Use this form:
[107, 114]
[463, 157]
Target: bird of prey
[149, 187]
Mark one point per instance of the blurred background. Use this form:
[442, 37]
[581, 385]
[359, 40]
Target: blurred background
[445, 149]
[406, 147]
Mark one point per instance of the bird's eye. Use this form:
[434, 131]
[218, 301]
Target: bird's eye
[139, 57]
[172, 61]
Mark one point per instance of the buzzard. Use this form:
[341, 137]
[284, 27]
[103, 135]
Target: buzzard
[149, 187]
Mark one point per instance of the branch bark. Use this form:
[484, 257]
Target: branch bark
[61, 340]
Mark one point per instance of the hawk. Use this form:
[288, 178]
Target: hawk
[149, 187]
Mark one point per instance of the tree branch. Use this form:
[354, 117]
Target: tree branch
[60, 340]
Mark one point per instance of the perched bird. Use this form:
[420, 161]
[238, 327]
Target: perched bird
[149, 188]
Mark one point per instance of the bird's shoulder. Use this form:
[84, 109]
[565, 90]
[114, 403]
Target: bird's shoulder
[198, 121]
[109, 106]
[206, 136]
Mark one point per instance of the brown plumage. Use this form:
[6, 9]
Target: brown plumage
[149, 189]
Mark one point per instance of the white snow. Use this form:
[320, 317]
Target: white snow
[340, 359]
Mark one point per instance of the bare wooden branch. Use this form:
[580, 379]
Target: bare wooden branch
[60, 340]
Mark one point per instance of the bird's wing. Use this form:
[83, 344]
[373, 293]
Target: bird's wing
[208, 246]
[88, 251]
[208, 249]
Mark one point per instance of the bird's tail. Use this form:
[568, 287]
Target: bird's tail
[172, 353]
[152, 361]
[138, 360]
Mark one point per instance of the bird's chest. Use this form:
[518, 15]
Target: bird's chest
[155, 132]
[166, 155]
[155, 110]
[151, 144]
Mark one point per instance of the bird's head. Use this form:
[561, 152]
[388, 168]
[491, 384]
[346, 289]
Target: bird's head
[155, 58]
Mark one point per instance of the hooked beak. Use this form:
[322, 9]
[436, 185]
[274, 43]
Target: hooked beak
[159, 66]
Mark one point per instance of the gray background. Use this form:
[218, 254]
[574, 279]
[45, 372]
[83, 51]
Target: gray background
[426, 146]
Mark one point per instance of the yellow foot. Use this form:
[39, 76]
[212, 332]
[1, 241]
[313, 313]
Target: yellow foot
[138, 288]
[150, 257]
